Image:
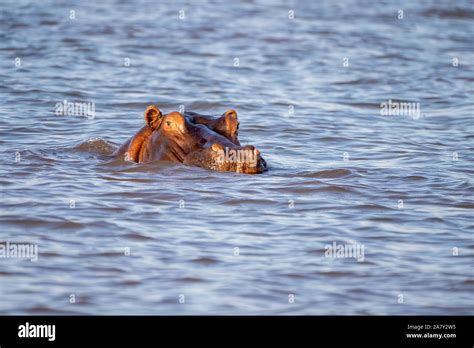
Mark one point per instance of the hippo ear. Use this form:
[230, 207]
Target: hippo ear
[231, 113]
[153, 116]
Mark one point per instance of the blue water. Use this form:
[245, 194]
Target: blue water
[120, 238]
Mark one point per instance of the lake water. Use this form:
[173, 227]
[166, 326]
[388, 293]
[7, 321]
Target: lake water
[120, 238]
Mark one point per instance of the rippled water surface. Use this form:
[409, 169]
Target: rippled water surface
[308, 92]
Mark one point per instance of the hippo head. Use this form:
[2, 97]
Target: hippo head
[203, 141]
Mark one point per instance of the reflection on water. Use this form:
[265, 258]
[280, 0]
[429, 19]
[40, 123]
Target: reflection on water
[166, 238]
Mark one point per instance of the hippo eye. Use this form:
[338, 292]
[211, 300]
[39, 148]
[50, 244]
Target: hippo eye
[168, 123]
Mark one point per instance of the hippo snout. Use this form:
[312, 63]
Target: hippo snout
[240, 159]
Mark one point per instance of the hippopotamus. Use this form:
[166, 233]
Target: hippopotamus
[194, 139]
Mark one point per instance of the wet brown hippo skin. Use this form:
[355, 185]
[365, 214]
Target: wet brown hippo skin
[193, 139]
